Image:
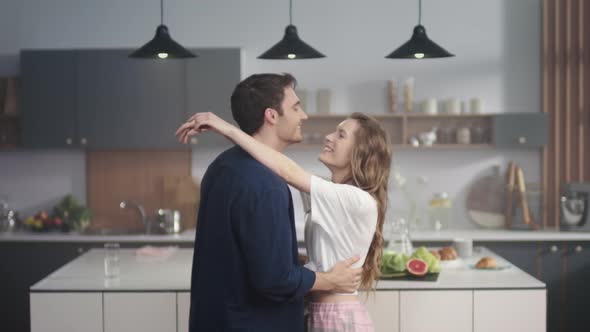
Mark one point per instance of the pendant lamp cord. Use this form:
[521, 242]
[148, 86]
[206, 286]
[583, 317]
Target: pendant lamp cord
[419, 12]
[161, 12]
[290, 12]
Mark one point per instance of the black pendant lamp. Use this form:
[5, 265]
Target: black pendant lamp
[291, 47]
[419, 46]
[162, 46]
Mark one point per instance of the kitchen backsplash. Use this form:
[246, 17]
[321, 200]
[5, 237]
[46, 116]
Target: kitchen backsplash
[449, 171]
[35, 180]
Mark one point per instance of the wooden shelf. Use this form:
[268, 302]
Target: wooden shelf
[401, 127]
[442, 146]
[402, 116]
[407, 146]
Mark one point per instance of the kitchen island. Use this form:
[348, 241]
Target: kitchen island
[152, 294]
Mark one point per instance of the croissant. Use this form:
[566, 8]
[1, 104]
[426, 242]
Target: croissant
[448, 254]
[486, 263]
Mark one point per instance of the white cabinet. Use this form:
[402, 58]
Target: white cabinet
[383, 307]
[183, 301]
[66, 312]
[146, 312]
[441, 311]
[509, 311]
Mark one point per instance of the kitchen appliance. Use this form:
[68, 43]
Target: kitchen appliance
[7, 218]
[574, 205]
[169, 221]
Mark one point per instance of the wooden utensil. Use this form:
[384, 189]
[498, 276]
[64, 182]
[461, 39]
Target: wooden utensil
[527, 217]
[510, 179]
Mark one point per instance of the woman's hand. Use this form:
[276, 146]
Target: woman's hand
[201, 122]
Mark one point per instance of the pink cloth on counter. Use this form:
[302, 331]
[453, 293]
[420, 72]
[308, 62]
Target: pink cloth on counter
[151, 251]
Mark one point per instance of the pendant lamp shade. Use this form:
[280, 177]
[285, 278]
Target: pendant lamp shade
[419, 46]
[162, 46]
[291, 47]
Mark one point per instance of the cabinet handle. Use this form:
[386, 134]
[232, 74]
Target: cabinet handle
[68, 141]
[553, 249]
[194, 140]
[521, 140]
[575, 250]
[83, 141]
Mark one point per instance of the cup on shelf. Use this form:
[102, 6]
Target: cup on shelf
[452, 106]
[429, 106]
[476, 105]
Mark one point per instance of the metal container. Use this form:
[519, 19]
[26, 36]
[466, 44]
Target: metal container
[7, 218]
[169, 221]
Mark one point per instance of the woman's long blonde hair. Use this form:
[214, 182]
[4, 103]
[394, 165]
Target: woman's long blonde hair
[370, 165]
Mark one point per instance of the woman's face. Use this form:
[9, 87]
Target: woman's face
[337, 151]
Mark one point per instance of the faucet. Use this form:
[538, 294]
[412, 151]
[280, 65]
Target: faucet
[144, 220]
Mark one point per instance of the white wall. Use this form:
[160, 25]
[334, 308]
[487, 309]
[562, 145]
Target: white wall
[496, 42]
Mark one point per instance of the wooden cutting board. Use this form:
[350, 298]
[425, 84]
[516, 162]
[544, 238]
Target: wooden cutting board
[486, 201]
[182, 193]
[154, 179]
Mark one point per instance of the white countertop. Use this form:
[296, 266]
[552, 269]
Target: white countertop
[188, 236]
[86, 273]
[137, 273]
[501, 235]
[460, 275]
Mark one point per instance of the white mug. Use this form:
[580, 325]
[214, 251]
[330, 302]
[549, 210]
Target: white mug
[464, 247]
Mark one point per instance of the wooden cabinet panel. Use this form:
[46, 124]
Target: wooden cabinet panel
[101, 99]
[183, 301]
[383, 306]
[527, 130]
[146, 312]
[48, 99]
[128, 103]
[210, 81]
[443, 311]
[577, 287]
[66, 312]
[509, 311]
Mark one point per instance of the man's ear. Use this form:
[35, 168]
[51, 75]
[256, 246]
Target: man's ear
[271, 115]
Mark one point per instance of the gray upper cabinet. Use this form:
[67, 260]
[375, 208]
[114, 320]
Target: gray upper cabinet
[129, 103]
[526, 130]
[101, 99]
[48, 98]
[210, 81]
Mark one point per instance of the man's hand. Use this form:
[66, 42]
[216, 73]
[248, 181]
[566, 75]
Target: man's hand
[302, 259]
[342, 278]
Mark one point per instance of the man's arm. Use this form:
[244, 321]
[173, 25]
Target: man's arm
[342, 278]
[266, 241]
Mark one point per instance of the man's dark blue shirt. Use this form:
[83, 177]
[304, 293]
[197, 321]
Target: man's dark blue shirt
[246, 275]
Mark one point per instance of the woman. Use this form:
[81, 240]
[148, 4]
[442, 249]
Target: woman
[344, 216]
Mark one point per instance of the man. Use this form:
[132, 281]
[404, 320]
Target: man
[246, 275]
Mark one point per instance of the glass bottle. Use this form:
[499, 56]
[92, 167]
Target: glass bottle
[399, 239]
[439, 210]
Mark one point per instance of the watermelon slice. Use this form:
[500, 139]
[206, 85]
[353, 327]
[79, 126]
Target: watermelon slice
[417, 267]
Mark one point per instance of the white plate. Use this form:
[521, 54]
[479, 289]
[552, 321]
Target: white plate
[455, 263]
[487, 219]
[497, 268]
